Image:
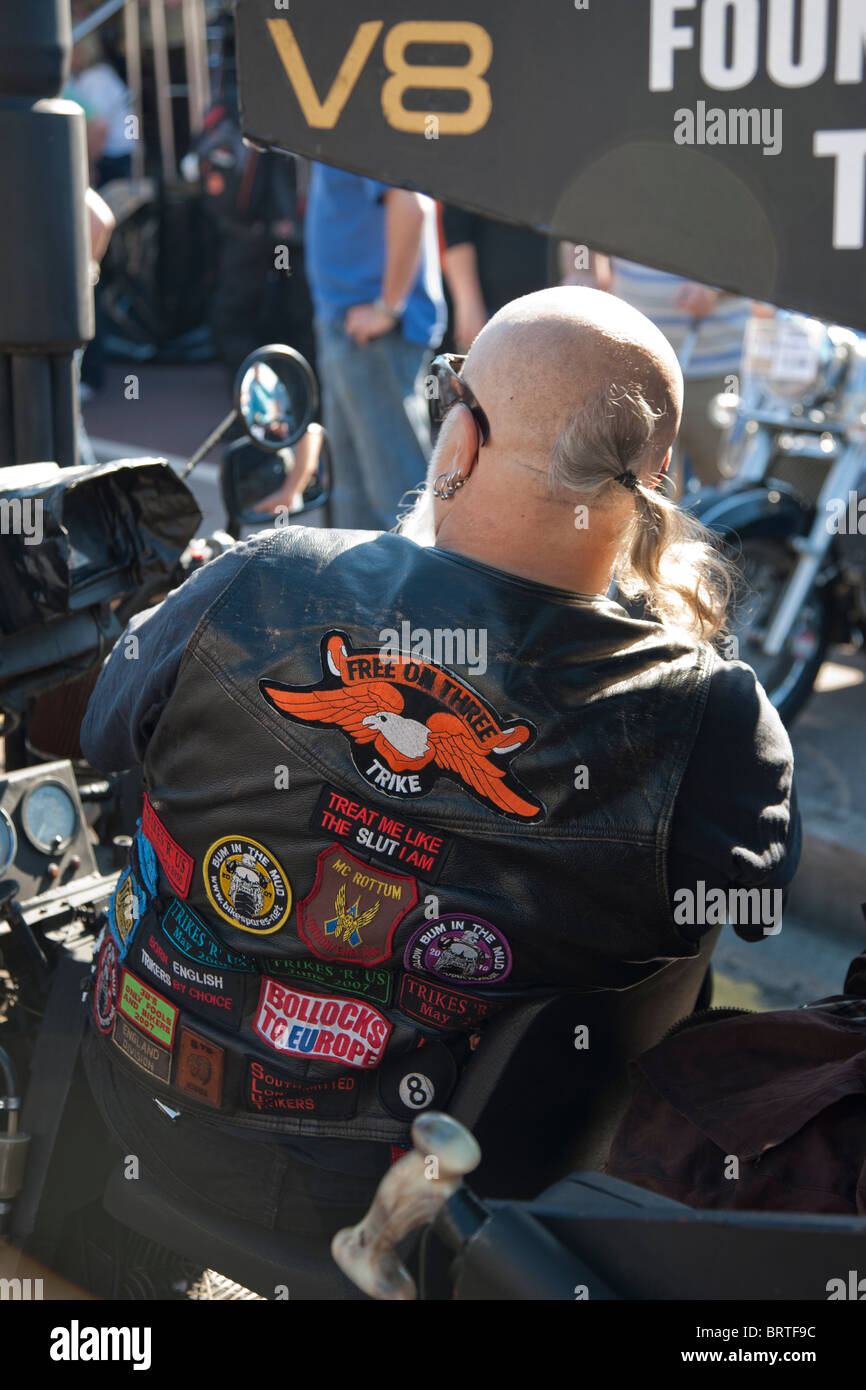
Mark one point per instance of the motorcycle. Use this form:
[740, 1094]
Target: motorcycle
[84, 549]
[793, 516]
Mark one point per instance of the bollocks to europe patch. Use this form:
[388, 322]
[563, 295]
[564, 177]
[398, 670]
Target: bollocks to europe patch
[246, 885]
[411, 722]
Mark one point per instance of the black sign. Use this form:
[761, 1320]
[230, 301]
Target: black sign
[721, 139]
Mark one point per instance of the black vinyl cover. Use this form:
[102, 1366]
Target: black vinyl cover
[83, 535]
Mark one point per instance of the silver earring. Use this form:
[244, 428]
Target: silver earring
[453, 481]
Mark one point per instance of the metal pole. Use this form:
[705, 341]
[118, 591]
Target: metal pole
[195, 56]
[163, 92]
[132, 47]
[93, 21]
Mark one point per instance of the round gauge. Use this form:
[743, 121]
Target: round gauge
[8, 841]
[49, 817]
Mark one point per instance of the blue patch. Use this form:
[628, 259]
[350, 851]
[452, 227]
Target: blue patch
[125, 910]
[193, 939]
[146, 859]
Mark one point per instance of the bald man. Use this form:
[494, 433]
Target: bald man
[398, 782]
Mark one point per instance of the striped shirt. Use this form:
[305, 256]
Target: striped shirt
[718, 347]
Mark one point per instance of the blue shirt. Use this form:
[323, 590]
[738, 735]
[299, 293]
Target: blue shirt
[718, 347]
[345, 253]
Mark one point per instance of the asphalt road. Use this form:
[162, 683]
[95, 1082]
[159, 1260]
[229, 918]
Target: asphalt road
[169, 411]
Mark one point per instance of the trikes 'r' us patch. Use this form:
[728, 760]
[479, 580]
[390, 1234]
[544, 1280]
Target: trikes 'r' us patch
[177, 865]
[353, 908]
[246, 885]
[411, 722]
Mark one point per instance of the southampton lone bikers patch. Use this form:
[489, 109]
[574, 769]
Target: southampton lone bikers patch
[411, 722]
[246, 885]
[353, 909]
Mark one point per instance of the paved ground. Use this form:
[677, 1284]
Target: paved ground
[177, 407]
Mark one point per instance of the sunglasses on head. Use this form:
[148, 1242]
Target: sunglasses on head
[448, 388]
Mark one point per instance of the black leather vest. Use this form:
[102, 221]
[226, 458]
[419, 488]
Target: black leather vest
[392, 791]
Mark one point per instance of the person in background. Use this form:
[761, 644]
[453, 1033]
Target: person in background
[100, 90]
[486, 264]
[674, 305]
[373, 266]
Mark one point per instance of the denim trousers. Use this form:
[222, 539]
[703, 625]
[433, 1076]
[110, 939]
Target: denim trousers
[375, 415]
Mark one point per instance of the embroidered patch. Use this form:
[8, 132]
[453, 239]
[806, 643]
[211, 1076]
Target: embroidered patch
[200, 1067]
[411, 722]
[125, 909]
[148, 1010]
[353, 909]
[145, 864]
[152, 1058]
[177, 865]
[459, 948]
[194, 940]
[440, 1007]
[216, 995]
[270, 1092]
[105, 988]
[349, 979]
[319, 1028]
[383, 837]
[246, 885]
[417, 1080]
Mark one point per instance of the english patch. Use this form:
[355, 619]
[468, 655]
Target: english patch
[216, 995]
[125, 908]
[195, 941]
[410, 722]
[353, 910]
[383, 837]
[349, 979]
[269, 1092]
[105, 988]
[148, 1010]
[320, 1028]
[459, 948]
[152, 1058]
[177, 865]
[199, 1068]
[246, 885]
[417, 1080]
[439, 1007]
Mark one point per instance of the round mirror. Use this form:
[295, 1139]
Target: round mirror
[275, 396]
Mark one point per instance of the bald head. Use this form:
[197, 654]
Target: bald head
[548, 355]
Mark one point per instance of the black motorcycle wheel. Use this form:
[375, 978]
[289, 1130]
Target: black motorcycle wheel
[765, 566]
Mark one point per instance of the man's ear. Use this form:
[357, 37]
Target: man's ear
[467, 441]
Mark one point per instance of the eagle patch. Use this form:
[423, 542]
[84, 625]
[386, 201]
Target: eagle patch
[411, 722]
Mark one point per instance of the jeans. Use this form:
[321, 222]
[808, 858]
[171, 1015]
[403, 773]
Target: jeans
[374, 412]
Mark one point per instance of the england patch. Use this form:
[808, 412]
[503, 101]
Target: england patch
[246, 885]
[145, 1053]
[440, 1007]
[411, 722]
[105, 988]
[319, 1028]
[393, 841]
[199, 1068]
[125, 909]
[272, 1093]
[147, 1010]
[195, 941]
[215, 995]
[348, 979]
[177, 865]
[459, 948]
[353, 909]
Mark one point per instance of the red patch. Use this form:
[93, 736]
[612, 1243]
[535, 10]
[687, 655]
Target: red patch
[105, 989]
[317, 1027]
[177, 865]
[441, 1007]
[353, 909]
[200, 1066]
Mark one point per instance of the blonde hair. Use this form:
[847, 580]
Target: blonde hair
[667, 558]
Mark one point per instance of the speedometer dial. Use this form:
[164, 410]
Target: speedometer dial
[49, 817]
[8, 842]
